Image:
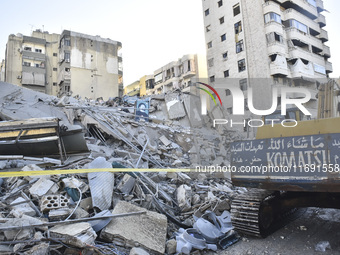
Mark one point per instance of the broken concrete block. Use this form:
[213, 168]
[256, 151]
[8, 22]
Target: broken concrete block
[171, 246]
[86, 203]
[149, 230]
[40, 249]
[32, 168]
[59, 214]
[126, 184]
[19, 210]
[77, 234]
[42, 187]
[22, 234]
[171, 175]
[138, 251]
[196, 199]
[6, 249]
[177, 162]
[183, 195]
[165, 140]
[53, 202]
[81, 213]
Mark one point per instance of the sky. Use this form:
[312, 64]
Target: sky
[153, 32]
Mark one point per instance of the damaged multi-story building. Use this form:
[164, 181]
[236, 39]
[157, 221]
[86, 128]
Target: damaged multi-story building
[64, 64]
[178, 74]
[282, 41]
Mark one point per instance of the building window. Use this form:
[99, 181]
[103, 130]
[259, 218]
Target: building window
[272, 16]
[227, 92]
[225, 55]
[67, 56]
[209, 44]
[55, 54]
[236, 9]
[37, 65]
[212, 78]
[38, 50]
[226, 73]
[241, 65]
[28, 48]
[207, 28]
[189, 67]
[239, 46]
[26, 63]
[238, 27]
[54, 84]
[206, 12]
[294, 23]
[55, 69]
[222, 20]
[211, 62]
[223, 37]
[67, 42]
[274, 37]
[220, 3]
[243, 84]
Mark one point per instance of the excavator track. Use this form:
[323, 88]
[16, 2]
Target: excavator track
[255, 213]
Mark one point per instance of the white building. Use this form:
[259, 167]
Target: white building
[282, 40]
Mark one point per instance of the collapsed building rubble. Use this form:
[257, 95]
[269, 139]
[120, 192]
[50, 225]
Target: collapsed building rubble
[111, 212]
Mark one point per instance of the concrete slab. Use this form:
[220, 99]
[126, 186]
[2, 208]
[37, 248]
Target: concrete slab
[77, 234]
[148, 230]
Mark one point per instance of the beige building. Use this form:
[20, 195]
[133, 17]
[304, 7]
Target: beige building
[25, 62]
[66, 64]
[179, 74]
[282, 40]
[89, 66]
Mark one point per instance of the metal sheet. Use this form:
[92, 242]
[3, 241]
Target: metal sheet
[101, 184]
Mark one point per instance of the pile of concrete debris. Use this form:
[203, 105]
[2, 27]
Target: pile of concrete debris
[158, 210]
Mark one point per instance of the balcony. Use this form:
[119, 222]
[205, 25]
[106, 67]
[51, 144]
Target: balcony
[299, 69]
[329, 67]
[326, 51]
[271, 7]
[294, 14]
[294, 33]
[297, 52]
[277, 48]
[323, 35]
[301, 6]
[319, 5]
[189, 74]
[321, 20]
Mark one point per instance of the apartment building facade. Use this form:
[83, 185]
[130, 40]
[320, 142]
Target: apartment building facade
[142, 87]
[179, 74]
[65, 64]
[89, 66]
[281, 42]
[176, 75]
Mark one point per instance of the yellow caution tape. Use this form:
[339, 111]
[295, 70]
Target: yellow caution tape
[82, 171]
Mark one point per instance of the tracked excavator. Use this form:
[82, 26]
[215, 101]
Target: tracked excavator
[285, 169]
